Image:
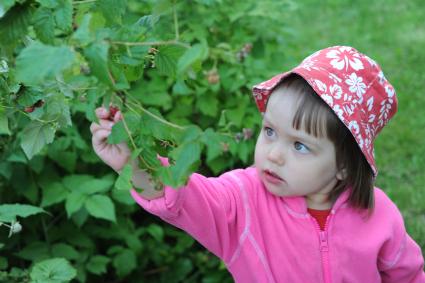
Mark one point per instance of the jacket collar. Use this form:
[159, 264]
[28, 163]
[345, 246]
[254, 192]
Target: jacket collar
[298, 205]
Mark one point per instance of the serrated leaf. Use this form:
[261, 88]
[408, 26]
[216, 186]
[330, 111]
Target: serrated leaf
[56, 270]
[38, 62]
[97, 56]
[193, 54]
[100, 206]
[53, 193]
[63, 15]
[35, 136]
[97, 264]
[44, 25]
[74, 202]
[57, 108]
[166, 60]
[9, 212]
[112, 10]
[14, 24]
[123, 181]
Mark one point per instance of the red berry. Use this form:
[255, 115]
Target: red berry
[29, 109]
[112, 111]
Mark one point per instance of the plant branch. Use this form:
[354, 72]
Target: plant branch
[155, 116]
[83, 2]
[168, 42]
[176, 23]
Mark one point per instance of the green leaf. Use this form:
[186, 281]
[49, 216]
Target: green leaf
[74, 202]
[112, 10]
[193, 54]
[101, 206]
[118, 134]
[84, 35]
[35, 136]
[4, 123]
[125, 262]
[5, 5]
[97, 264]
[166, 59]
[14, 25]
[213, 142]
[208, 105]
[123, 181]
[65, 251]
[55, 270]
[97, 56]
[63, 15]
[38, 62]
[48, 3]
[9, 212]
[187, 156]
[87, 184]
[44, 25]
[156, 232]
[53, 192]
[57, 108]
[34, 251]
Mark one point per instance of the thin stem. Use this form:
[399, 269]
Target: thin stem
[83, 2]
[133, 143]
[168, 42]
[155, 116]
[176, 24]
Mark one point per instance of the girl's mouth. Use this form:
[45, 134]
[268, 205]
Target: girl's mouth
[272, 177]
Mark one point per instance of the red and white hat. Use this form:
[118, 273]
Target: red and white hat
[354, 87]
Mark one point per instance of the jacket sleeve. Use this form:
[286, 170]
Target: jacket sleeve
[209, 209]
[401, 259]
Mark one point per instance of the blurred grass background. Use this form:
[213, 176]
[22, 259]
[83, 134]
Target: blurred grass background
[393, 33]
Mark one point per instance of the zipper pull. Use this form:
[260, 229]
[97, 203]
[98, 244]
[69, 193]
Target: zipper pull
[324, 241]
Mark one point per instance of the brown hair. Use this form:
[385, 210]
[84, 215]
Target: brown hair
[317, 119]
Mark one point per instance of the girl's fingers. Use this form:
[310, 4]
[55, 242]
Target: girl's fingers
[102, 113]
[103, 124]
[99, 137]
[118, 116]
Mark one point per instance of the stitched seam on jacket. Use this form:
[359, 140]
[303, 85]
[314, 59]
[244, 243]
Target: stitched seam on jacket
[247, 219]
[296, 214]
[260, 254]
[391, 263]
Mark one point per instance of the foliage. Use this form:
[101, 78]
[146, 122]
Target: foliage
[180, 71]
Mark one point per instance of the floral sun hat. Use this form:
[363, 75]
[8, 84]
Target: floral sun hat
[354, 87]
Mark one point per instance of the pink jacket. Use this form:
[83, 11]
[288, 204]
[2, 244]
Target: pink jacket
[264, 238]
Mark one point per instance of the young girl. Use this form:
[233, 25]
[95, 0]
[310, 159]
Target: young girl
[307, 211]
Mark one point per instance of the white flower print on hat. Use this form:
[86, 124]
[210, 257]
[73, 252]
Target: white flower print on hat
[354, 87]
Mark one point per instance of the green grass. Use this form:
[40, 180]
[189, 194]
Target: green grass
[393, 33]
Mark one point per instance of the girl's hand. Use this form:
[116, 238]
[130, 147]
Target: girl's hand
[114, 155]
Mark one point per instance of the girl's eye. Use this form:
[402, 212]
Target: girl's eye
[301, 147]
[269, 131]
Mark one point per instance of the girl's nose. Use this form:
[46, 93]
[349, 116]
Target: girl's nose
[276, 155]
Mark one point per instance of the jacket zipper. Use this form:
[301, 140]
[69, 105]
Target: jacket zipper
[324, 249]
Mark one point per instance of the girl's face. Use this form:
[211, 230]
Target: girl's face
[291, 162]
